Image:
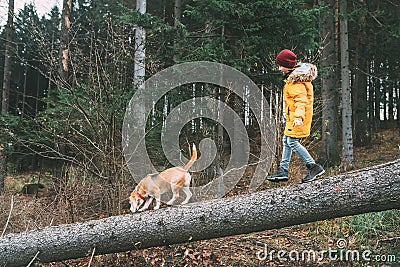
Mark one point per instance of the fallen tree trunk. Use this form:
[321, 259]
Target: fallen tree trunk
[367, 190]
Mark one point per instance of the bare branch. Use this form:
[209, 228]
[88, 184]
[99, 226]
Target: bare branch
[9, 216]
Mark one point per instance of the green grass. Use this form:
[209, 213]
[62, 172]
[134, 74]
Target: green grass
[376, 231]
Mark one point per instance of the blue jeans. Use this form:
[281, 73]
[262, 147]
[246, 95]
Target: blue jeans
[291, 144]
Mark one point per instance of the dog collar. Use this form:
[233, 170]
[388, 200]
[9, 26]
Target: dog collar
[139, 195]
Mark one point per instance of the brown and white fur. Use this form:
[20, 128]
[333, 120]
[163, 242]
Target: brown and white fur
[154, 185]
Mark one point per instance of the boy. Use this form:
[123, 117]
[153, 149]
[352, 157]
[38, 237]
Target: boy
[298, 97]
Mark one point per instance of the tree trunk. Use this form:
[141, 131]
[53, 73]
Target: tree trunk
[384, 96]
[6, 84]
[140, 50]
[177, 12]
[347, 135]
[377, 103]
[137, 112]
[330, 152]
[368, 190]
[371, 98]
[397, 90]
[360, 106]
[3, 170]
[177, 21]
[390, 88]
[7, 58]
[64, 41]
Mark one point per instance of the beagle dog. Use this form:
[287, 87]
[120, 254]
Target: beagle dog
[154, 185]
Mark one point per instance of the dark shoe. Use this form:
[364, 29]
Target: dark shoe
[315, 170]
[280, 175]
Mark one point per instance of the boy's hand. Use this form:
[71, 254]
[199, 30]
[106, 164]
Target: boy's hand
[297, 122]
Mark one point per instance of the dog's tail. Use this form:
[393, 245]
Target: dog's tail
[192, 159]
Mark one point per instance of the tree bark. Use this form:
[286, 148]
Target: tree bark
[360, 105]
[330, 148]
[140, 48]
[177, 21]
[3, 170]
[347, 131]
[368, 190]
[64, 41]
[7, 58]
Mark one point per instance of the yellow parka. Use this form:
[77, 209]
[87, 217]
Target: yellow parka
[298, 98]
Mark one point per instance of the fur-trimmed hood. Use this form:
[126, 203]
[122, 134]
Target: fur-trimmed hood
[304, 72]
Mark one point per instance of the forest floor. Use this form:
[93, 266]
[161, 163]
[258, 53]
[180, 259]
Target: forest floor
[371, 239]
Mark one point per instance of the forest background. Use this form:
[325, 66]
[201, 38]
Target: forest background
[68, 76]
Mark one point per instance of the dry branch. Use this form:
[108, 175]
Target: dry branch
[367, 190]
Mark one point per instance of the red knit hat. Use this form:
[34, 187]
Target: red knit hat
[286, 58]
